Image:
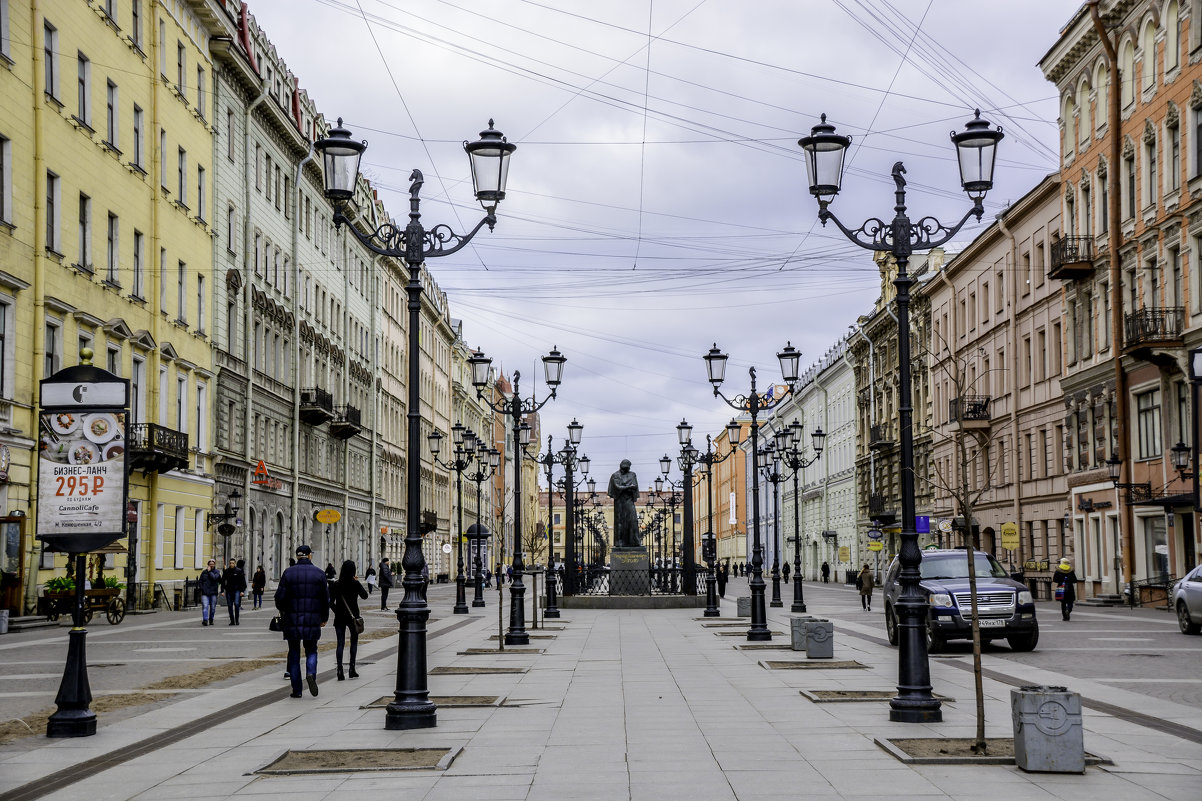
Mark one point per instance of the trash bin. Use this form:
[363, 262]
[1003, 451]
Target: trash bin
[797, 628]
[820, 639]
[1048, 736]
[743, 606]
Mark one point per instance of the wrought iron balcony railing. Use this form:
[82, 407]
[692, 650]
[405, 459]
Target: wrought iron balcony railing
[316, 406]
[347, 423]
[1072, 258]
[878, 437]
[157, 449]
[1147, 328]
[969, 409]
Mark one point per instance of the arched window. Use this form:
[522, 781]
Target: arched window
[1083, 115]
[1127, 73]
[1069, 118]
[1148, 66]
[1101, 85]
[1172, 37]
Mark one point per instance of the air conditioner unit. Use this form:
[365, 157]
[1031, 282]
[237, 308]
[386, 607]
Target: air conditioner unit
[308, 397]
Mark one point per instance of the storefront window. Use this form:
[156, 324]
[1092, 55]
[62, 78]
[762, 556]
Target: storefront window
[1156, 545]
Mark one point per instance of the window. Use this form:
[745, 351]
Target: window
[1086, 210]
[85, 83]
[1103, 202]
[135, 25]
[181, 60]
[1172, 37]
[7, 359]
[202, 433]
[53, 197]
[139, 139]
[1177, 297]
[1055, 352]
[162, 156]
[163, 48]
[200, 92]
[200, 192]
[137, 389]
[1174, 165]
[229, 134]
[231, 327]
[139, 264]
[6, 180]
[113, 249]
[258, 163]
[1127, 74]
[1184, 412]
[1147, 405]
[54, 346]
[50, 45]
[1156, 548]
[181, 403]
[5, 41]
[1150, 167]
[200, 302]
[182, 198]
[85, 232]
[1129, 175]
[110, 114]
[267, 170]
[179, 541]
[230, 225]
[181, 296]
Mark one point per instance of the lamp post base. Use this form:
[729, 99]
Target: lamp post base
[74, 718]
[460, 596]
[402, 717]
[905, 713]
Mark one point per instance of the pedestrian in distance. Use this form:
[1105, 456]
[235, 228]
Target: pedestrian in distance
[509, 573]
[258, 583]
[722, 575]
[344, 600]
[210, 585]
[865, 584]
[1065, 579]
[331, 573]
[369, 578]
[385, 583]
[785, 571]
[303, 599]
[233, 584]
[826, 572]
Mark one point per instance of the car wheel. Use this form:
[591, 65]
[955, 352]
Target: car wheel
[1025, 641]
[1188, 626]
[935, 643]
[890, 625]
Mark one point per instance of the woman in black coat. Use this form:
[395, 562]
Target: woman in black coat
[344, 600]
[1066, 577]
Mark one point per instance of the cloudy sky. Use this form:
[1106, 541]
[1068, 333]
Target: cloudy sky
[657, 201]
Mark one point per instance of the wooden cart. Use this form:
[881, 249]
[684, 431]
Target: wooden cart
[106, 599]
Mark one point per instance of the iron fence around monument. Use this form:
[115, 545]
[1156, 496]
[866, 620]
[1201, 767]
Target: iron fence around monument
[593, 580]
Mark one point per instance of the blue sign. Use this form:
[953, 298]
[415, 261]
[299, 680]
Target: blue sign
[922, 524]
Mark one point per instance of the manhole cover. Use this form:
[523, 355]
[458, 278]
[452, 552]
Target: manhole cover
[467, 671]
[511, 650]
[443, 700]
[840, 696]
[358, 760]
[815, 664]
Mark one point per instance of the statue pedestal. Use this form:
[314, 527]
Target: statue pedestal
[629, 571]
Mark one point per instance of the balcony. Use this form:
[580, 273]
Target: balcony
[316, 406]
[878, 438]
[969, 412]
[347, 424]
[157, 449]
[1072, 258]
[1153, 328]
[879, 509]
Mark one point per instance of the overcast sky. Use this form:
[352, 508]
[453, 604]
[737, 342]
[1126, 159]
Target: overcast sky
[657, 202]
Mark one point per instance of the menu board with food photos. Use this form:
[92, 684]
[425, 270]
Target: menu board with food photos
[82, 466]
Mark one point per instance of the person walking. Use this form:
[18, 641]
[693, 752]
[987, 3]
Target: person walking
[210, 585]
[258, 583]
[303, 599]
[369, 578]
[722, 574]
[785, 572]
[385, 583]
[865, 584]
[1065, 579]
[331, 573]
[826, 572]
[233, 583]
[344, 600]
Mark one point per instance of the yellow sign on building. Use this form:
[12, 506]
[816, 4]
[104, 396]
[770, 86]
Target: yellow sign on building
[1010, 536]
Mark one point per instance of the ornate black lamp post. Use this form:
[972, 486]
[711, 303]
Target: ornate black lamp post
[686, 461]
[708, 460]
[464, 442]
[793, 459]
[754, 403]
[413, 244]
[488, 459]
[976, 148]
[567, 457]
[769, 467]
[516, 409]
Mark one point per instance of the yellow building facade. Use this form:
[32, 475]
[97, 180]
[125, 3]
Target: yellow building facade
[106, 242]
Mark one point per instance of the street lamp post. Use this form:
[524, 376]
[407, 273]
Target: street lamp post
[754, 402]
[464, 444]
[567, 457]
[709, 460]
[488, 459]
[516, 409]
[769, 465]
[976, 148]
[413, 245]
[792, 458]
[686, 461]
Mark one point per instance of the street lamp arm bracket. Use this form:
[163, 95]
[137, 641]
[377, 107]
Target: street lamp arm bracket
[413, 244]
[877, 235]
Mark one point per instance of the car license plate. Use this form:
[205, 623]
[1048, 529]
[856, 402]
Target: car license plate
[991, 623]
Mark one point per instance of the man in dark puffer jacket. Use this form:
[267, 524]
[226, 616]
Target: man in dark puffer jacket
[303, 598]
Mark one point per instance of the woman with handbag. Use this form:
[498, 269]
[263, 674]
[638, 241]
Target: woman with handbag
[1065, 579]
[344, 600]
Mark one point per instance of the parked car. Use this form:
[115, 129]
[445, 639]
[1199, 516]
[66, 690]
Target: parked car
[1005, 607]
[1187, 600]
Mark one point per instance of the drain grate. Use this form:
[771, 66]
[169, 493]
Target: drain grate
[358, 760]
[849, 696]
[743, 633]
[763, 646]
[723, 625]
[468, 671]
[491, 651]
[817, 664]
[443, 700]
[532, 636]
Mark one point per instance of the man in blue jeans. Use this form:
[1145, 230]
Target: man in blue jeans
[210, 585]
[303, 599]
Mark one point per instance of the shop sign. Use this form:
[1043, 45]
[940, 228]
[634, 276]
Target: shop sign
[844, 553]
[327, 516]
[1010, 536]
[262, 478]
[875, 546]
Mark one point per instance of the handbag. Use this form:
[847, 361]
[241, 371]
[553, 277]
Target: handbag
[276, 624]
[355, 619]
[1060, 593]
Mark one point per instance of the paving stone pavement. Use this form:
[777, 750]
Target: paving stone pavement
[631, 704]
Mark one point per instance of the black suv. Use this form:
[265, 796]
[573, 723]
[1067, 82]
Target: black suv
[1005, 608]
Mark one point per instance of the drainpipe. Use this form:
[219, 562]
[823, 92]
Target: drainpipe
[40, 245]
[248, 180]
[955, 337]
[1012, 268]
[1114, 242]
[296, 349]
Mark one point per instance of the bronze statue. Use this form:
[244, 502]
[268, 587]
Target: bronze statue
[624, 489]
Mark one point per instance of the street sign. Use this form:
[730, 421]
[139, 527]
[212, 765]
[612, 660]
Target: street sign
[446, 547]
[876, 546]
[922, 524]
[844, 553]
[945, 526]
[327, 516]
[875, 534]
[1010, 536]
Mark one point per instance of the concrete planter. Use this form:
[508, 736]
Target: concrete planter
[1048, 736]
[743, 606]
[820, 639]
